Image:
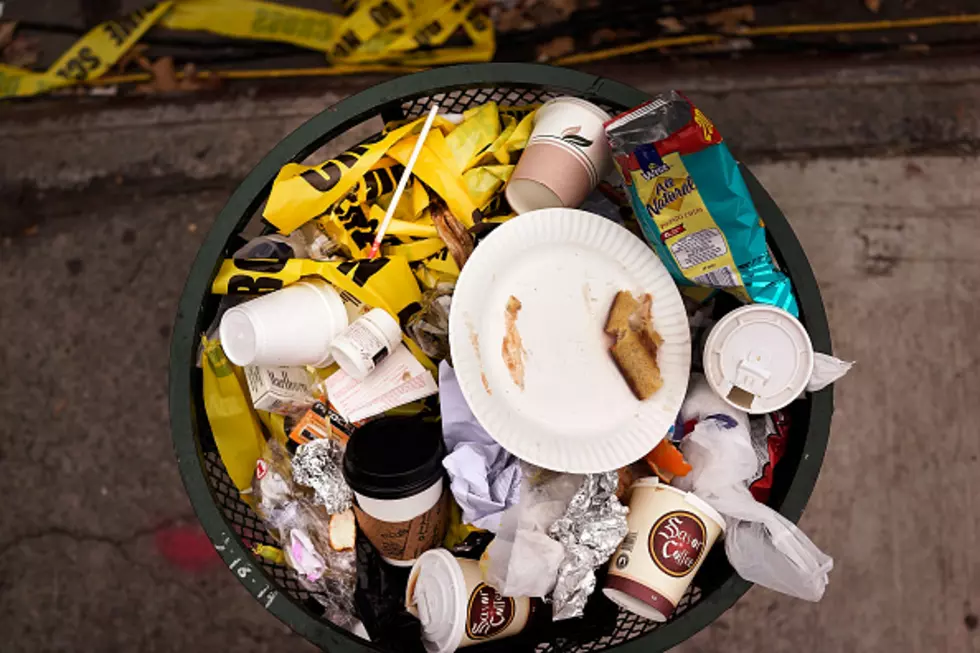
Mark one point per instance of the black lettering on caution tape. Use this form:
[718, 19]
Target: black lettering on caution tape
[78, 67]
[241, 284]
[367, 269]
[384, 14]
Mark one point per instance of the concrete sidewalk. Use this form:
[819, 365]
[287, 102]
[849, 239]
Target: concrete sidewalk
[92, 264]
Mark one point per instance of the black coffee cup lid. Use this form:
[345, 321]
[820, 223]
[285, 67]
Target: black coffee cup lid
[394, 457]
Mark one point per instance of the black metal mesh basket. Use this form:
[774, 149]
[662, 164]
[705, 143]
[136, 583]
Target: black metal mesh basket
[233, 526]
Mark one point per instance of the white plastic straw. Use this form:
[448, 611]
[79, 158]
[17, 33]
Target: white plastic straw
[403, 181]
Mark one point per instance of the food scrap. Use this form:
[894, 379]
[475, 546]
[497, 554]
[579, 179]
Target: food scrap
[512, 348]
[635, 348]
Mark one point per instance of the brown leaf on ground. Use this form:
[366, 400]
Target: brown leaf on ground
[22, 52]
[6, 32]
[167, 80]
[731, 19]
[137, 55]
[556, 48]
[874, 6]
[671, 25]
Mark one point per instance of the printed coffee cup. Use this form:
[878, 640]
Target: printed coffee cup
[394, 467]
[457, 608]
[670, 533]
[565, 158]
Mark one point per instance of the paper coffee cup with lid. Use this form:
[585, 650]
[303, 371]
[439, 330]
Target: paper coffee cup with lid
[457, 608]
[669, 534]
[394, 466]
[758, 358]
[566, 156]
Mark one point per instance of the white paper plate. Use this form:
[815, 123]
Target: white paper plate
[575, 413]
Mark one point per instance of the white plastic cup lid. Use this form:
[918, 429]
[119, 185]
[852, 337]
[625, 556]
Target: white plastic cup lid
[758, 358]
[438, 596]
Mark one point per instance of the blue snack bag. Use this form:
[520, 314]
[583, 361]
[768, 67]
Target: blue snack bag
[692, 203]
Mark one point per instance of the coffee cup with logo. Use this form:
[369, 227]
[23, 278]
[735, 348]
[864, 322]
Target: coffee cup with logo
[401, 502]
[565, 158]
[457, 608]
[670, 534]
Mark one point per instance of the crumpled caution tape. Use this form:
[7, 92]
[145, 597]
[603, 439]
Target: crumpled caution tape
[377, 32]
[385, 283]
[90, 57]
[234, 424]
[301, 193]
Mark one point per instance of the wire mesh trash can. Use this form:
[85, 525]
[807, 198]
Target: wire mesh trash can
[234, 528]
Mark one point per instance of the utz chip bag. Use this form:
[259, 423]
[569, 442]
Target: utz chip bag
[691, 201]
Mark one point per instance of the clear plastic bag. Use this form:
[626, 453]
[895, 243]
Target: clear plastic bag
[762, 545]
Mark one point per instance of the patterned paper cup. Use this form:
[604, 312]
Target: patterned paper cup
[565, 158]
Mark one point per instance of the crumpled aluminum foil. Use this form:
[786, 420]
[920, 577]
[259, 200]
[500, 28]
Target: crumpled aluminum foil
[318, 465]
[590, 530]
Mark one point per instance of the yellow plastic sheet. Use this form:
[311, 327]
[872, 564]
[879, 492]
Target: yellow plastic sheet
[234, 424]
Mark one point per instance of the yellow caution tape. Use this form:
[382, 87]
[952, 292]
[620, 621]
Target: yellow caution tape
[376, 35]
[385, 283]
[90, 56]
[417, 250]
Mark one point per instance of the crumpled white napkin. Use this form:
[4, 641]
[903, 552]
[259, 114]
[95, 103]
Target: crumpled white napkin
[484, 477]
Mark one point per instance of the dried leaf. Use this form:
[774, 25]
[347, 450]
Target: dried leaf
[732, 19]
[6, 32]
[458, 240]
[874, 6]
[166, 79]
[135, 54]
[671, 25]
[21, 52]
[556, 48]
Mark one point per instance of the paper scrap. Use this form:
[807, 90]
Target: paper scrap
[398, 380]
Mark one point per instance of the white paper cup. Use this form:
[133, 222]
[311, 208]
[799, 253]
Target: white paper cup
[670, 534]
[758, 358]
[291, 326]
[456, 607]
[565, 158]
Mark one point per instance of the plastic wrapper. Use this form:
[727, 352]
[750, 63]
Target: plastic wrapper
[770, 434]
[317, 465]
[380, 601]
[274, 246]
[691, 201]
[323, 558]
[523, 560]
[826, 370]
[763, 546]
[429, 327]
[590, 530]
